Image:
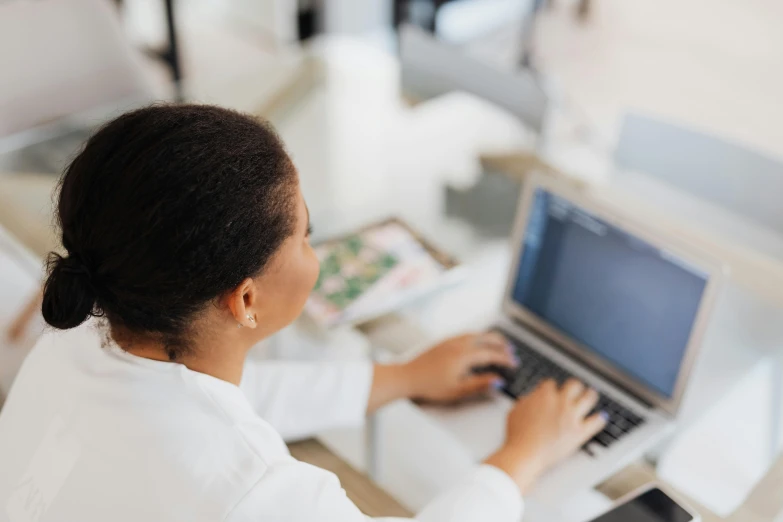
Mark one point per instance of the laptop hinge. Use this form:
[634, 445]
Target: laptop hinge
[559, 347]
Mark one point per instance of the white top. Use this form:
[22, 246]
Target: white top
[92, 434]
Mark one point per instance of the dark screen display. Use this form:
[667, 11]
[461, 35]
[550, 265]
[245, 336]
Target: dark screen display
[652, 506]
[626, 300]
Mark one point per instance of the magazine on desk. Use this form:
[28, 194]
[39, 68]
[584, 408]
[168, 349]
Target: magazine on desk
[375, 271]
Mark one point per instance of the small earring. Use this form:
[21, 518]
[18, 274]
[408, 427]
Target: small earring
[250, 318]
[239, 325]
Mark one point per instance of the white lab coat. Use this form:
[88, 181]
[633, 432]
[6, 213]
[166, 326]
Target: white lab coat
[92, 434]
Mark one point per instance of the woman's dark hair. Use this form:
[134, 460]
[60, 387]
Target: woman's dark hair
[166, 208]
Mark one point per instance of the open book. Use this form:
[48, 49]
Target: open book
[373, 272]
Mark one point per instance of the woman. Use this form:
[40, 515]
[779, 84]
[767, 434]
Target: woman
[186, 232]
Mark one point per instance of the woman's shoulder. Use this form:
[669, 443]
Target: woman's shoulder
[233, 412]
[120, 395]
[159, 429]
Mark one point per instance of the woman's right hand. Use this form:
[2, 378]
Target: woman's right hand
[544, 428]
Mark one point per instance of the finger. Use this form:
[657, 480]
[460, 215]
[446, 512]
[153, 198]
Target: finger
[478, 384]
[573, 389]
[547, 386]
[495, 339]
[586, 402]
[486, 355]
[593, 425]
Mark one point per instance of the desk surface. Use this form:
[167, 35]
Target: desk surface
[736, 339]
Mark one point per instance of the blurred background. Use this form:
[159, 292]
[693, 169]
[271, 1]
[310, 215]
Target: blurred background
[435, 111]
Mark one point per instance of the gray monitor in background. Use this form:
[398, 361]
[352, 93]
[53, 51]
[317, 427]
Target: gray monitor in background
[726, 174]
[431, 68]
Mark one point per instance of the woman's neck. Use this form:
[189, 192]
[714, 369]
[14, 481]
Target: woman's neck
[224, 368]
[223, 361]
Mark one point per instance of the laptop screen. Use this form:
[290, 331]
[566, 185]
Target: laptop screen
[628, 301]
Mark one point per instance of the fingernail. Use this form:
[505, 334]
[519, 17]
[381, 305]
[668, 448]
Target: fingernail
[510, 348]
[498, 384]
[604, 416]
[515, 360]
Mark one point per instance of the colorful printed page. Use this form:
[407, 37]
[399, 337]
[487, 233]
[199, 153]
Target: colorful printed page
[362, 272]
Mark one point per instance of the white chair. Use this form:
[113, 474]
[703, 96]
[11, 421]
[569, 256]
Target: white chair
[62, 57]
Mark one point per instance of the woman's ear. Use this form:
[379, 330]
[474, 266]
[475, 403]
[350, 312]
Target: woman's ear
[243, 303]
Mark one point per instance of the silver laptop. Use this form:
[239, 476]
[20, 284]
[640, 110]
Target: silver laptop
[609, 300]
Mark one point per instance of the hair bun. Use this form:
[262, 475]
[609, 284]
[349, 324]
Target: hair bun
[69, 298]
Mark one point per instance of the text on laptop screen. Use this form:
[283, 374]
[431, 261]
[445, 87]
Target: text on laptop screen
[628, 301]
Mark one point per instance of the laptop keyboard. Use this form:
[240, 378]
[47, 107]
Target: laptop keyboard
[534, 368]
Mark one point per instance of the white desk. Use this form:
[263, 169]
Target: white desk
[478, 428]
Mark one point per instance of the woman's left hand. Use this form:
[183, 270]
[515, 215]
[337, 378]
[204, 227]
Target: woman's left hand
[445, 372]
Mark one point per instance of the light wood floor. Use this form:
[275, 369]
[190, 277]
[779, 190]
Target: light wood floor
[370, 498]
